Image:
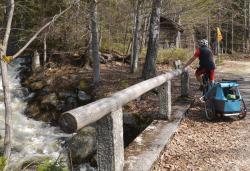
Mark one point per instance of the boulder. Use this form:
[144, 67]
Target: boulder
[82, 146]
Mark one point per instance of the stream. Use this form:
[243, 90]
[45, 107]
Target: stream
[31, 140]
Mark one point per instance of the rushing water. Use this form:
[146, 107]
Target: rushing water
[31, 139]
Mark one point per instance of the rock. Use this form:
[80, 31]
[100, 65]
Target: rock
[65, 83]
[129, 119]
[82, 146]
[38, 85]
[86, 167]
[66, 94]
[33, 110]
[29, 97]
[71, 103]
[21, 92]
[83, 97]
[50, 99]
[84, 86]
[49, 81]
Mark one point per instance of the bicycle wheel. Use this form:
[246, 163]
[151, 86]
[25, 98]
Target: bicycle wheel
[243, 108]
[209, 110]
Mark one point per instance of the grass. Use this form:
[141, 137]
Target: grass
[2, 163]
[48, 165]
[167, 56]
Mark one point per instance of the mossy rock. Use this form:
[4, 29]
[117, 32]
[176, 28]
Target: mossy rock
[124, 84]
[84, 86]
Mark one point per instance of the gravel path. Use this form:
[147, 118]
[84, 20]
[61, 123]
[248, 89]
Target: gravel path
[220, 145]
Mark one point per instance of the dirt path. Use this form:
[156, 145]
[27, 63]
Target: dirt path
[220, 145]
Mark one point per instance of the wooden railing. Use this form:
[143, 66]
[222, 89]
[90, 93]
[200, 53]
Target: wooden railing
[107, 112]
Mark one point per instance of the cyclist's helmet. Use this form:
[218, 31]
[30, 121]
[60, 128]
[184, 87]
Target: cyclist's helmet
[203, 42]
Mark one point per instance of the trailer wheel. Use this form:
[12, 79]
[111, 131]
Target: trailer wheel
[243, 112]
[209, 110]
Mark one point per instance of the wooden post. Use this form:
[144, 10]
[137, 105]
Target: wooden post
[184, 84]
[165, 100]
[110, 148]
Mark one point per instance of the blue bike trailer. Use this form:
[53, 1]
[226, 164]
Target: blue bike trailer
[227, 98]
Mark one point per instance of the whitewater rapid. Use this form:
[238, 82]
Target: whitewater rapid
[31, 139]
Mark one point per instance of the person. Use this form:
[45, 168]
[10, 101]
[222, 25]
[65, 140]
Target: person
[206, 62]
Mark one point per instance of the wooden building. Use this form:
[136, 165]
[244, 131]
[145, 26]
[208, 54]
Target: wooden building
[170, 32]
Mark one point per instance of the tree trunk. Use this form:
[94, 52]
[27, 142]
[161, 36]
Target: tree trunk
[5, 80]
[144, 34]
[178, 38]
[226, 50]
[208, 30]
[248, 29]
[35, 61]
[136, 48]
[8, 110]
[245, 27]
[194, 41]
[44, 49]
[232, 42]
[94, 42]
[149, 69]
[125, 37]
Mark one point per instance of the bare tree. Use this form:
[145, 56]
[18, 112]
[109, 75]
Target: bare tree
[149, 69]
[45, 49]
[10, 4]
[5, 80]
[95, 42]
[136, 37]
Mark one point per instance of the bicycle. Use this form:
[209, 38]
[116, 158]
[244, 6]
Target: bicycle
[208, 104]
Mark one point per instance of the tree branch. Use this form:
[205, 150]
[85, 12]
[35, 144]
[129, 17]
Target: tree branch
[41, 29]
[9, 22]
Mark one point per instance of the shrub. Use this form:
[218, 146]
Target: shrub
[48, 165]
[2, 162]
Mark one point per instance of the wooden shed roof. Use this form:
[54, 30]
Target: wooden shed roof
[166, 22]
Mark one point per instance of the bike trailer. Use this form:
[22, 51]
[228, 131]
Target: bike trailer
[226, 97]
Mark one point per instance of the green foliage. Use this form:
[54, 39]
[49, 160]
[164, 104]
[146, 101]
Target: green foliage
[47, 165]
[2, 163]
